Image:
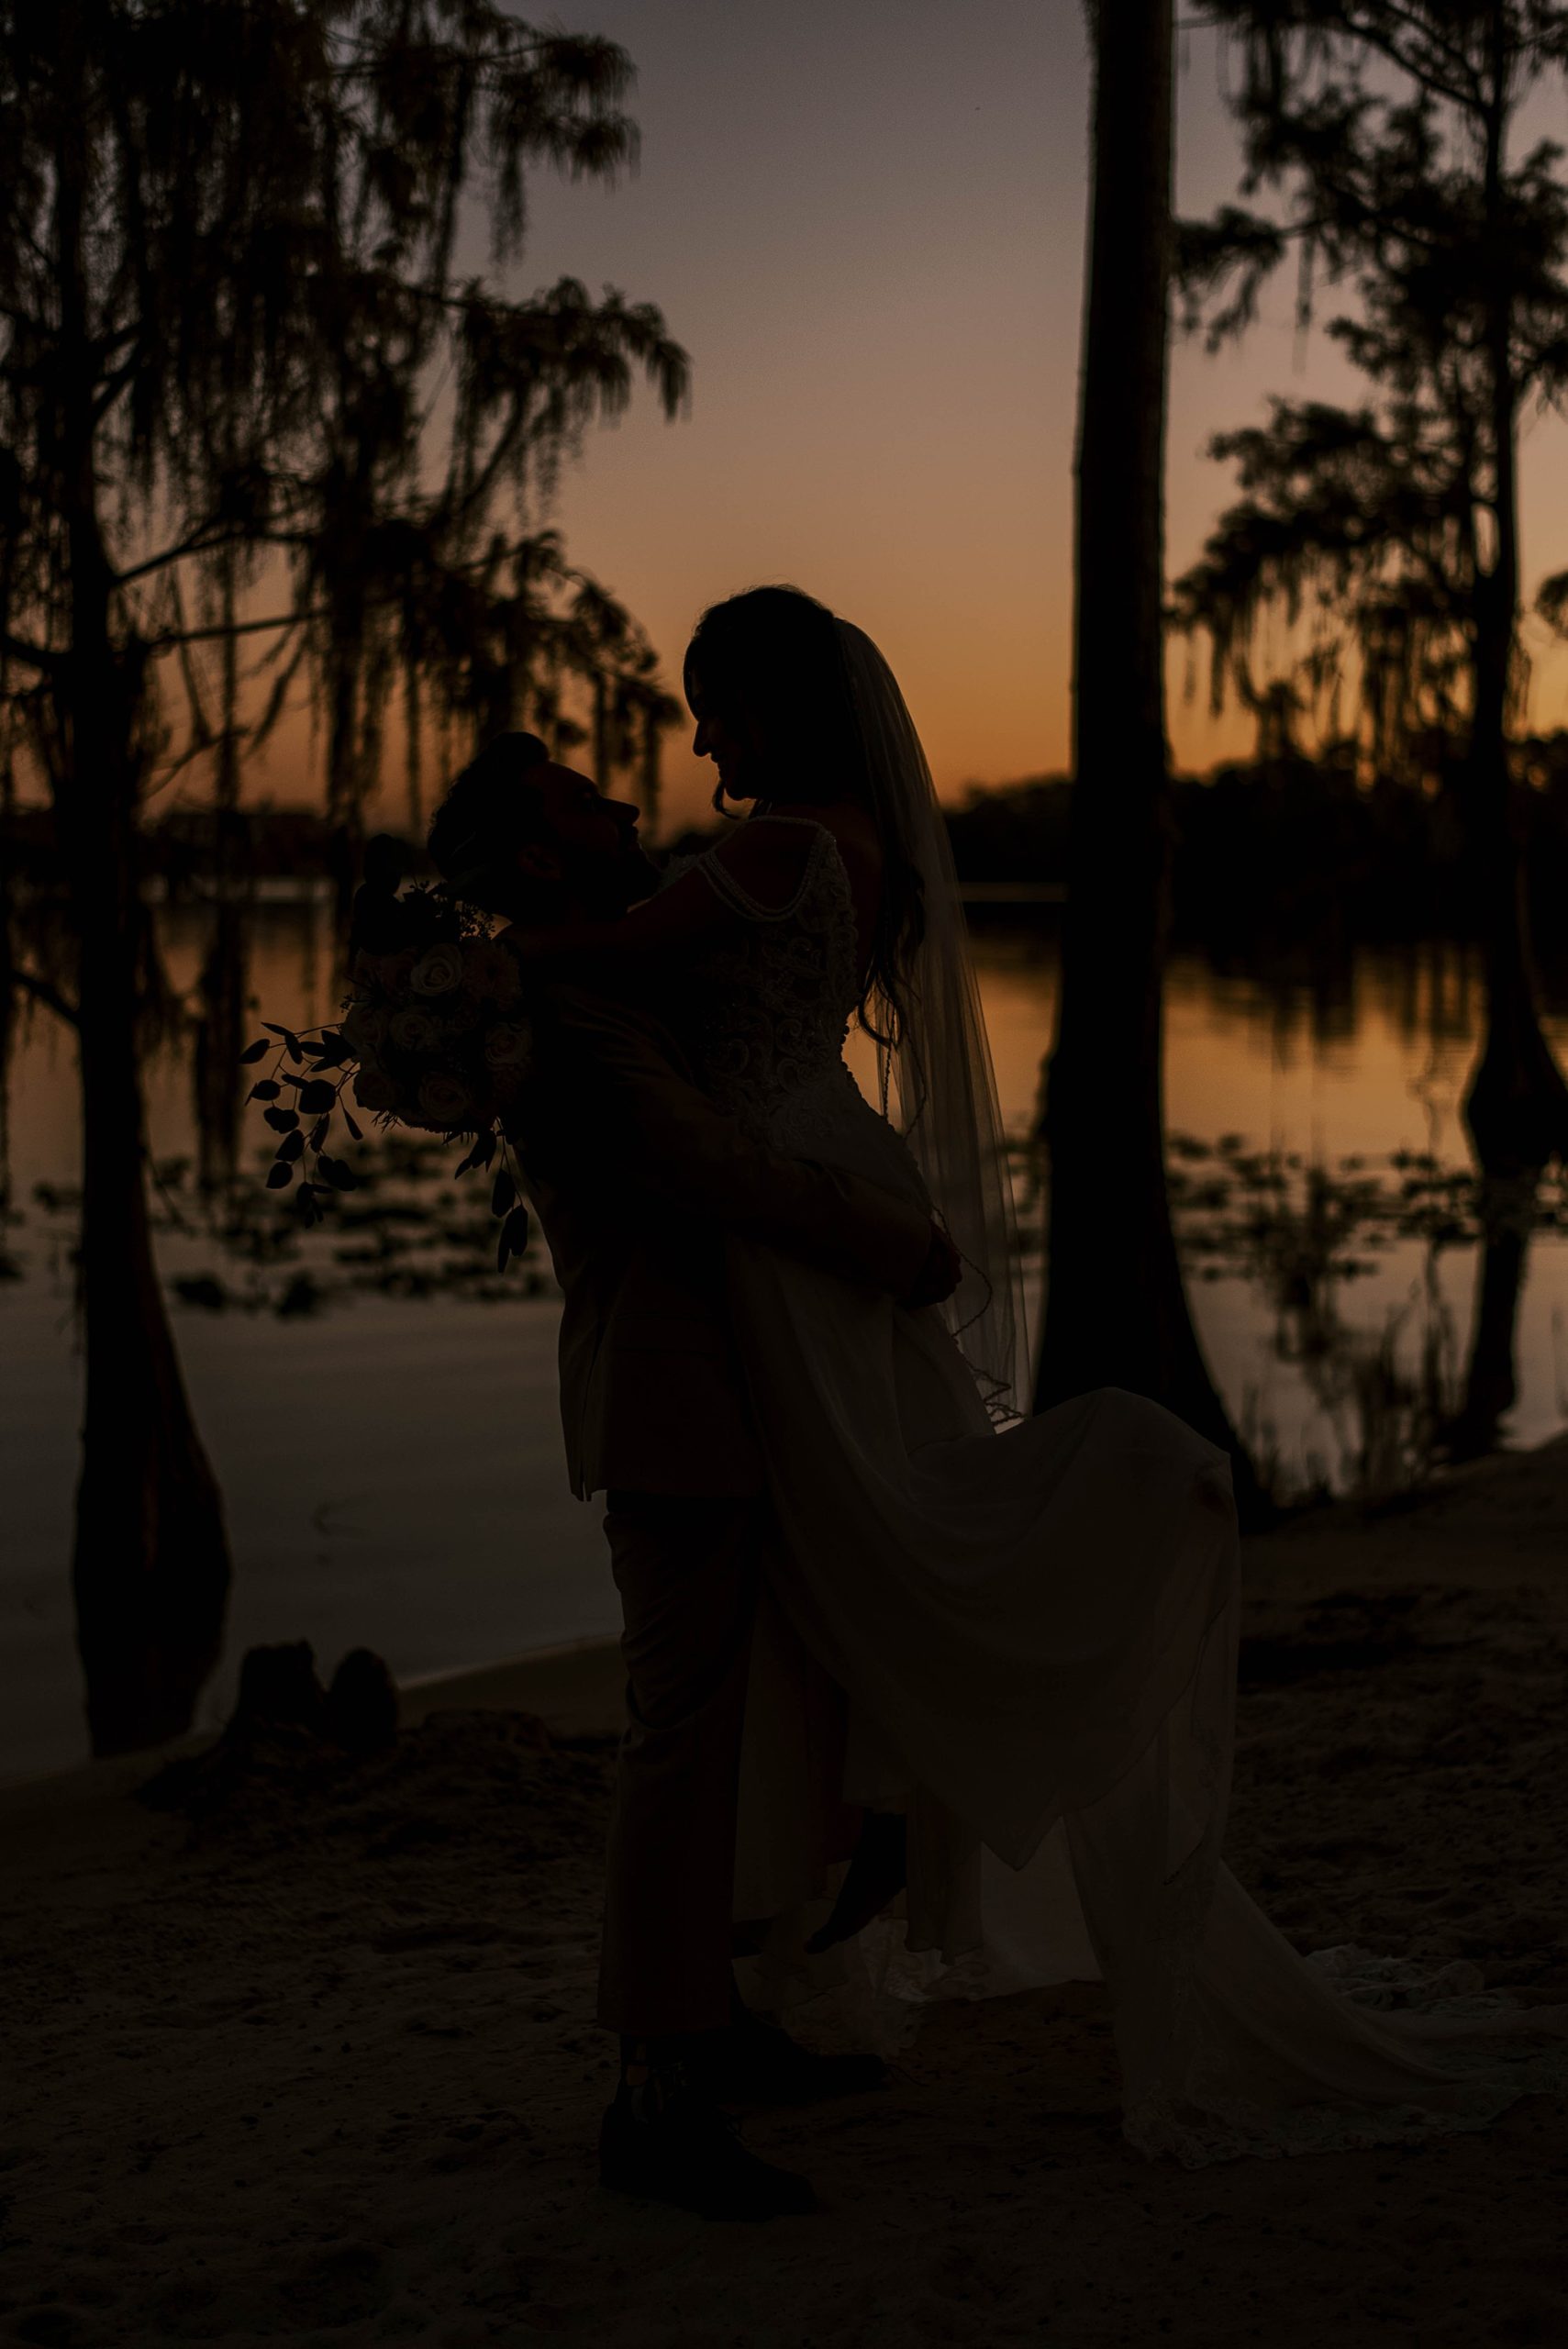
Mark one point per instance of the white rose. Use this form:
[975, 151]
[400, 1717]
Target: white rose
[492, 973]
[445, 1100]
[413, 1031]
[364, 1029]
[507, 1045]
[437, 971]
[374, 1089]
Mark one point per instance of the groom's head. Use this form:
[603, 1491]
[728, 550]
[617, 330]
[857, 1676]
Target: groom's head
[521, 836]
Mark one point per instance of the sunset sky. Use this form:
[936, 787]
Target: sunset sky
[865, 221]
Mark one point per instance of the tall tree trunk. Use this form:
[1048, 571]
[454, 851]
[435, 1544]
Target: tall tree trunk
[601, 730]
[9, 994]
[220, 1080]
[413, 754]
[150, 1568]
[1508, 1213]
[651, 774]
[1517, 1100]
[1516, 1105]
[345, 808]
[1115, 1311]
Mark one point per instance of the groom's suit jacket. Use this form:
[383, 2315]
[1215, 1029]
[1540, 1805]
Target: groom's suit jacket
[637, 1177]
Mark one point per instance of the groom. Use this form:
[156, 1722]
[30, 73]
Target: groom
[637, 1177]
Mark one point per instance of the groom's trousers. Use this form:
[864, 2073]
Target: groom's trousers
[686, 1570]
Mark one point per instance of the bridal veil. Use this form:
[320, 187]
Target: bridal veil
[935, 1074]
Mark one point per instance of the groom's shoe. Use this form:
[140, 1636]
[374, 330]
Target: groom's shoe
[688, 2153]
[757, 2062]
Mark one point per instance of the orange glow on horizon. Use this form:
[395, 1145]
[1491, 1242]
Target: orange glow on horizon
[873, 250]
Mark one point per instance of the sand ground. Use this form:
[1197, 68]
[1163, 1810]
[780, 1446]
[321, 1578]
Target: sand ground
[321, 2068]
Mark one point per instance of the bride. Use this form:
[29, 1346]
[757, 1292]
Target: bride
[1029, 1624]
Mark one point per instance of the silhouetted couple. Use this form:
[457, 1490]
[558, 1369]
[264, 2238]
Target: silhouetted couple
[871, 1614]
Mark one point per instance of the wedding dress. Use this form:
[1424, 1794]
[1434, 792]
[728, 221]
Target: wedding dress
[1034, 1625]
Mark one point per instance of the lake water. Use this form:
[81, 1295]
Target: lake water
[392, 1464]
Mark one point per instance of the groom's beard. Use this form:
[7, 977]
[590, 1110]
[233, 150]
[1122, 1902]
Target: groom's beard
[599, 890]
[636, 879]
[607, 888]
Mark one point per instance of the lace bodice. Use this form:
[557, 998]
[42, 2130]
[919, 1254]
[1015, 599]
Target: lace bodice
[773, 1010]
[776, 1006]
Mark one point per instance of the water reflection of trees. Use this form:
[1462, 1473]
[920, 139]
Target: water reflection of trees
[1425, 993]
[1399, 1389]
[1304, 1233]
[1394, 150]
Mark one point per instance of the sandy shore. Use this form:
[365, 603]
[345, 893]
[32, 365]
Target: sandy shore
[321, 2068]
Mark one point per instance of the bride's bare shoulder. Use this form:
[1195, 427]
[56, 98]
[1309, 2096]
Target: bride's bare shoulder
[851, 826]
[767, 859]
[767, 853]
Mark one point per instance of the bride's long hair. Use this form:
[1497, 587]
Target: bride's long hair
[773, 656]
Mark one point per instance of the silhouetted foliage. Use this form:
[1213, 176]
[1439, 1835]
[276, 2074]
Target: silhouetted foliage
[250, 399]
[1387, 535]
[1292, 857]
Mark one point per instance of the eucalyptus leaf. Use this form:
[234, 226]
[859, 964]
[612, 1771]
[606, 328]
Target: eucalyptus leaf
[291, 1145]
[505, 1192]
[280, 1175]
[318, 1096]
[264, 1090]
[319, 1132]
[257, 1050]
[283, 1121]
[291, 1040]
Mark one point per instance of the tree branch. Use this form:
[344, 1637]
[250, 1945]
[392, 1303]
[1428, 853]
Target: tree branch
[33, 983]
[36, 656]
[299, 618]
[1424, 31]
[234, 627]
[202, 541]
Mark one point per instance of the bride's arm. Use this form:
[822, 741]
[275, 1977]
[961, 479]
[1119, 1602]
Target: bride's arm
[686, 1150]
[687, 916]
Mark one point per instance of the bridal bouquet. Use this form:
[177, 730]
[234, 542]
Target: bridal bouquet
[433, 1035]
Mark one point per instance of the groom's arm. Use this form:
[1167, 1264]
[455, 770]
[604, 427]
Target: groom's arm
[684, 1150]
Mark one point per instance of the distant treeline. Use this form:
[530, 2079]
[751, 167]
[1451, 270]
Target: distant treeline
[271, 842]
[1299, 852]
[1293, 852]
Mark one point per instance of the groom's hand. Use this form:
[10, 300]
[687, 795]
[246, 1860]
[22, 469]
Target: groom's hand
[941, 1272]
